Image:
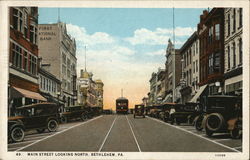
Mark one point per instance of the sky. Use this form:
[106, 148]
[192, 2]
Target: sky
[124, 45]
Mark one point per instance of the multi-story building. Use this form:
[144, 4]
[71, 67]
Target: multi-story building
[153, 88]
[160, 85]
[145, 101]
[23, 57]
[211, 38]
[90, 92]
[233, 50]
[49, 85]
[190, 68]
[99, 90]
[173, 72]
[58, 49]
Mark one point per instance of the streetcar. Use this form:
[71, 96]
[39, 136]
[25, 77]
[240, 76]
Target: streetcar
[122, 105]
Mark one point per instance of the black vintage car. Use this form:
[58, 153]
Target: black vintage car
[223, 114]
[74, 113]
[139, 110]
[165, 111]
[38, 117]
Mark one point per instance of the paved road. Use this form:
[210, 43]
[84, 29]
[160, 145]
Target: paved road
[126, 134]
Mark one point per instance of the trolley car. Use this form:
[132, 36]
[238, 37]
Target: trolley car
[122, 105]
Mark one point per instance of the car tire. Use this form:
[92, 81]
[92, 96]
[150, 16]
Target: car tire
[64, 119]
[198, 123]
[52, 125]
[214, 121]
[17, 134]
[83, 117]
[40, 130]
[236, 133]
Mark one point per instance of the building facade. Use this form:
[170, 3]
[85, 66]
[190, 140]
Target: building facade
[233, 50]
[190, 68]
[90, 92]
[23, 57]
[58, 49]
[153, 88]
[173, 72]
[49, 86]
[211, 38]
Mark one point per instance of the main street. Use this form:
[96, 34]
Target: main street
[123, 133]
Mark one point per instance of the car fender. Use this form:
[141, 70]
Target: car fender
[203, 124]
[18, 124]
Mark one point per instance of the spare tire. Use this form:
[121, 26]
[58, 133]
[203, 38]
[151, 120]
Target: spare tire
[214, 122]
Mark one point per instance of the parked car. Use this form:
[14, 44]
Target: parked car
[74, 113]
[183, 113]
[107, 111]
[223, 114]
[139, 110]
[165, 111]
[37, 117]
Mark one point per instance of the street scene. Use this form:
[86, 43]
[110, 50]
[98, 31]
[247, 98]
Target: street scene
[122, 80]
[123, 133]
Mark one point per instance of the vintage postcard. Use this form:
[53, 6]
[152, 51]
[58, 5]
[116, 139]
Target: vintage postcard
[124, 80]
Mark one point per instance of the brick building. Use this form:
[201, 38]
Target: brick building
[211, 37]
[23, 57]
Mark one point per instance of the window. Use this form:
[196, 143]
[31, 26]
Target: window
[228, 57]
[228, 24]
[63, 58]
[210, 35]
[210, 64]
[33, 34]
[17, 20]
[33, 64]
[234, 55]
[16, 56]
[234, 20]
[240, 51]
[216, 65]
[41, 81]
[25, 61]
[240, 17]
[44, 83]
[217, 32]
[68, 73]
[196, 65]
[47, 85]
[63, 69]
[25, 24]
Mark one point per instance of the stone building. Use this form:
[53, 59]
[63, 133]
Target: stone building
[190, 68]
[23, 58]
[58, 49]
[90, 92]
[233, 50]
[153, 88]
[211, 38]
[173, 73]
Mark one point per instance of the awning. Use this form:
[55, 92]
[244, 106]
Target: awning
[19, 92]
[197, 95]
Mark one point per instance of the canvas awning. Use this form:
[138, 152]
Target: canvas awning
[197, 95]
[19, 92]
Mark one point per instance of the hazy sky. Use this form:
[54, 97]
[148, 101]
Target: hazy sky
[124, 45]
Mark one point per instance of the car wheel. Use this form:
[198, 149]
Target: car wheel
[214, 121]
[83, 117]
[209, 133]
[17, 134]
[198, 123]
[40, 130]
[64, 119]
[52, 125]
[236, 133]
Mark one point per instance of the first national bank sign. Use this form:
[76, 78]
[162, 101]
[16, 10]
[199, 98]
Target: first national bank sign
[46, 33]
